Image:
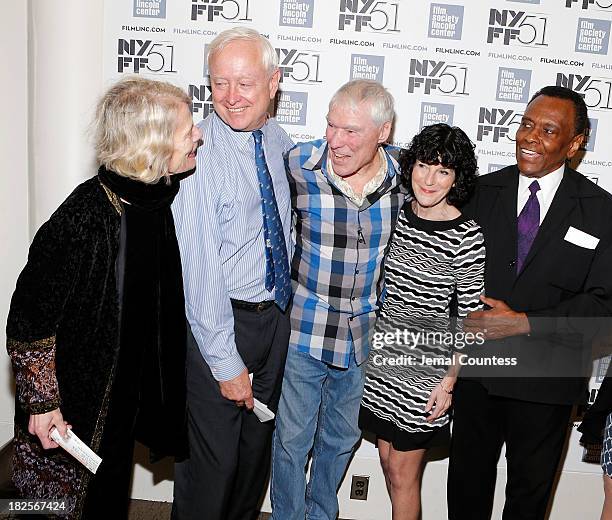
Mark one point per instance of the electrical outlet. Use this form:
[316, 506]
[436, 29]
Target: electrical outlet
[359, 487]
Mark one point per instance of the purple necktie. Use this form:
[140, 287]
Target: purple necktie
[528, 225]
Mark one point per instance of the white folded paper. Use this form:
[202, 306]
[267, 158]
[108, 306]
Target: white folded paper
[263, 413]
[78, 449]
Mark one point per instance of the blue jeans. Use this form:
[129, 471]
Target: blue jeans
[318, 409]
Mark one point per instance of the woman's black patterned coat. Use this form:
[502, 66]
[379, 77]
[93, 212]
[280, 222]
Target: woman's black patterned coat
[63, 339]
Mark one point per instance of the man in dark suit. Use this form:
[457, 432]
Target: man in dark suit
[548, 234]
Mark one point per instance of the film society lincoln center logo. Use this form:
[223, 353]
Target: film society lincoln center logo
[433, 113]
[296, 13]
[591, 135]
[513, 85]
[593, 36]
[445, 21]
[364, 66]
[292, 107]
[149, 8]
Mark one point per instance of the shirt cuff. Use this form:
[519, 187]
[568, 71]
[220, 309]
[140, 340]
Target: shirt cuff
[228, 368]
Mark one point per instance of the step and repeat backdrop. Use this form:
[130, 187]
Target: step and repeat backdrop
[470, 63]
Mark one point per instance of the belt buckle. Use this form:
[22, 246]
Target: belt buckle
[261, 306]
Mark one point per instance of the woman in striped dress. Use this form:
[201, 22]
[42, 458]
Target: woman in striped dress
[435, 262]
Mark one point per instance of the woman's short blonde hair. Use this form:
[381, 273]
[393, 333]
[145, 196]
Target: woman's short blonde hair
[134, 127]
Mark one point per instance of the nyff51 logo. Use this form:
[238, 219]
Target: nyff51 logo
[585, 4]
[201, 99]
[597, 92]
[447, 79]
[517, 27]
[298, 66]
[371, 15]
[221, 10]
[145, 56]
[497, 124]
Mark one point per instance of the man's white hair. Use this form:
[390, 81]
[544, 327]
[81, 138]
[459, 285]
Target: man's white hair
[269, 58]
[361, 91]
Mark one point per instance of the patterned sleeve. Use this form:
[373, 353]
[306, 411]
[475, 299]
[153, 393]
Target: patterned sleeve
[469, 267]
[36, 310]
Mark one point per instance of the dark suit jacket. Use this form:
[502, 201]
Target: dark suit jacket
[565, 289]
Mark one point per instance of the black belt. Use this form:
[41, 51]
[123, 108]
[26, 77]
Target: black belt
[253, 307]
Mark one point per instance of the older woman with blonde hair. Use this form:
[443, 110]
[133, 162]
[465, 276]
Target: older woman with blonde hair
[96, 328]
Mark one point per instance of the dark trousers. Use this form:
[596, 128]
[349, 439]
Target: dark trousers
[534, 434]
[226, 473]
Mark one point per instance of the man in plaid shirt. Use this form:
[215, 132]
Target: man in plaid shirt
[346, 195]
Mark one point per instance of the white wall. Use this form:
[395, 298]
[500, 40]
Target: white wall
[65, 80]
[14, 237]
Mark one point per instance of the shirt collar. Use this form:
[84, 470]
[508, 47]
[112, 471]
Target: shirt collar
[370, 187]
[548, 183]
[243, 140]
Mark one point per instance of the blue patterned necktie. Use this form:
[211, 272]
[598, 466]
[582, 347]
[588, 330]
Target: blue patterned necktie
[528, 225]
[277, 261]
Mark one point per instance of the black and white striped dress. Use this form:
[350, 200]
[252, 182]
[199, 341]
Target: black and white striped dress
[429, 264]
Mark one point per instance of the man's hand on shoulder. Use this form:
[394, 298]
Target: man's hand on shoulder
[500, 321]
[238, 390]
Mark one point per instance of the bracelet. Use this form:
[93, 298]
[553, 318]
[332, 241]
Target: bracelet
[447, 391]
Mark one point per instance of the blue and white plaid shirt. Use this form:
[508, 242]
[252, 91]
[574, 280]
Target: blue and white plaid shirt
[339, 252]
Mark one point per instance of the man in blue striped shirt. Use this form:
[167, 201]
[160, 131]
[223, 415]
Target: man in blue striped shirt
[230, 289]
[346, 195]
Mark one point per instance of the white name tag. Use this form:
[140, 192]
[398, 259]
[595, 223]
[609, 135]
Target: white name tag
[581, 239]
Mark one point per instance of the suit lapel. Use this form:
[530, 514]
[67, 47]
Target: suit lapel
[508, 196]
[506, 183]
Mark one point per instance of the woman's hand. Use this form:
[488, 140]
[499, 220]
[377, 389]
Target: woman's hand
[440, 399]
[42, 424]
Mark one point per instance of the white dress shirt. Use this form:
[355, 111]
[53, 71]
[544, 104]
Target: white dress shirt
[548, 187]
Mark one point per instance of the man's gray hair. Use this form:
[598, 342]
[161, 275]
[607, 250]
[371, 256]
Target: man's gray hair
[367, 91]
[269, 57]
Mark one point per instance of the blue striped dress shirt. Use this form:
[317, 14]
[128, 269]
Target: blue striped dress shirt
[219, 226]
